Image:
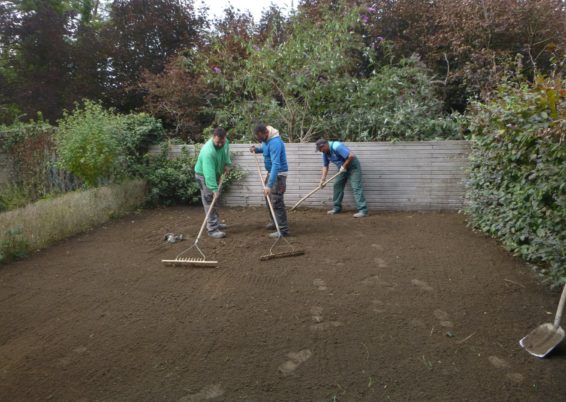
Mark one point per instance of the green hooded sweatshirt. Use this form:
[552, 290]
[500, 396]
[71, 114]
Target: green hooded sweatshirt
[211, 162]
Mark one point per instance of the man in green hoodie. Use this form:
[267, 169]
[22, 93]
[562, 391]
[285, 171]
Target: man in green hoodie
[213, 161]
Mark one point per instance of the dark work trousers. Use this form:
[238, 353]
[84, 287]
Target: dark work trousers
[206, 195]
[278, 202]
[354, 174]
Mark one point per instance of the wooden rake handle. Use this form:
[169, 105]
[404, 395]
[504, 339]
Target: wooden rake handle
[210, 207]
[266, 197]
[315, 190]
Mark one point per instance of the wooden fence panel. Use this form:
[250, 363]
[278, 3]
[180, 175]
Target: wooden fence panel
[428, 175]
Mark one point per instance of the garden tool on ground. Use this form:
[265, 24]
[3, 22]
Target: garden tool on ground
[289, 253]
[198, 261]
[540, 341]
[320, 186]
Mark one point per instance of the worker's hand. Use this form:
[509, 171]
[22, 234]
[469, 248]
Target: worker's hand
[322, 183]
[266, 191]
[343, 169]
[227, 169]
[252, 149]
[216, 194]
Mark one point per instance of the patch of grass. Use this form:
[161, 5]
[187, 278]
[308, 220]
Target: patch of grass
[47, 221]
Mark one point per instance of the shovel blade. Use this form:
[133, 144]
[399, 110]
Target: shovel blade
[541, 340]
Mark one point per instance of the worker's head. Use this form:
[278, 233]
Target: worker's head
[261, 132]
[322, 146]
[219, 137]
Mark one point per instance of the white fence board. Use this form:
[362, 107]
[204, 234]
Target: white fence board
[428, 175]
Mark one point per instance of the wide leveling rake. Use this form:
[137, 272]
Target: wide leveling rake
[201, 262]
[282, 254]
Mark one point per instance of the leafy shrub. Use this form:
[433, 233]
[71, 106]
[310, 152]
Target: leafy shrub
[173, 182]
[97, 144]
[517, 186]
[87, 142]
[13, 245]
[13, 196]
[139, 132]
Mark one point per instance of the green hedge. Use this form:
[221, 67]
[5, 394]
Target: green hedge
[517, 187]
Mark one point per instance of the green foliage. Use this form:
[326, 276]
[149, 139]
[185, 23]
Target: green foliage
[326, 79]
[13, 245]
[30, 148]
[13, 196]
[87, 142]
[97, 144]
[139, 132]
[517, 186]
[18, 133]
[172, 181]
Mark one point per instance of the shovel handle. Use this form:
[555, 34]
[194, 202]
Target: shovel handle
[560, 308]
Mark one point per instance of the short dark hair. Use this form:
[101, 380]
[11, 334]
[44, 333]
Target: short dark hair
[320, 143]
[219, 132]
[260, 128]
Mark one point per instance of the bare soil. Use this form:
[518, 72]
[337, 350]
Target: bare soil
[398, 306]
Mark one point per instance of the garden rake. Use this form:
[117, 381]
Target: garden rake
[290, 253]
[198, 261]
[320, 186]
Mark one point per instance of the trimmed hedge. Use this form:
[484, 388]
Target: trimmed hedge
[517, 186]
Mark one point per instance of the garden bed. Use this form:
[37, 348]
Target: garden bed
[398, 306]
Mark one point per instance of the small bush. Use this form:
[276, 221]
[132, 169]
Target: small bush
[98, 145]
[87, 143]
[13, 196]
[172, 181]
[13, 245]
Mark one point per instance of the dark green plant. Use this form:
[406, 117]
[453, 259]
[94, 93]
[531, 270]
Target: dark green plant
[326, 78]
[172, 181]
[13, 196]
[517, 185]
[139, 132]
[13, 245]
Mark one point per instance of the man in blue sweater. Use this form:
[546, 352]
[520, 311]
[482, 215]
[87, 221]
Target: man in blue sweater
[275, 160]
[347, 162]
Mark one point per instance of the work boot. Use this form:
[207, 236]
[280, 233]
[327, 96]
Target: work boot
[275, 235]
[333, 212]
[222, 226]
[270, 226]
[360, 214]
[217, 234]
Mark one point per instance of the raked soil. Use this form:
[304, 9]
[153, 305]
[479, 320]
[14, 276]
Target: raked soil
[397, 306]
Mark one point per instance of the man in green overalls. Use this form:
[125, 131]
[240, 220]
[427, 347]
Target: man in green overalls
[349, 166]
